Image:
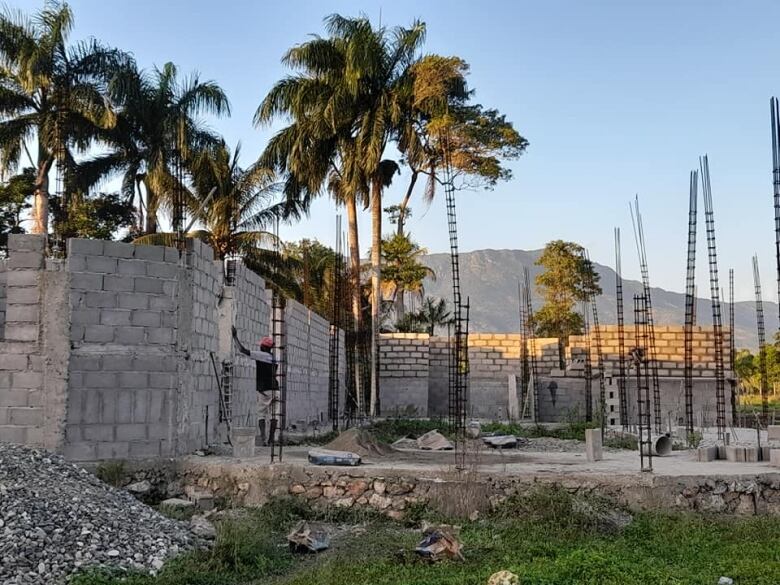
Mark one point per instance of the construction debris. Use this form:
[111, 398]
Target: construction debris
[329, 457]
[360, 442]
[308, 537]
[405, 443]
[439, 543]
[501, 441]
[503, 578]
[434, 441]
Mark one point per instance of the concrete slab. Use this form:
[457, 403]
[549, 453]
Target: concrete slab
[773, 432]
[752, 454]
[707, 453]
[735, 454]
[774, 458]
[593, 447]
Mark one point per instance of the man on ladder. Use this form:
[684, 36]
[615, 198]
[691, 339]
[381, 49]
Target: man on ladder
[265, 383]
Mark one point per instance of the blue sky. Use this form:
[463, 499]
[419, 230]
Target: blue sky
[616, 98]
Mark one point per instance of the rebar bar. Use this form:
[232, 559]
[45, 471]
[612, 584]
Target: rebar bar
[762, 365]
[622, 394]
[774, 107]
[639, 359]
[690, 301]
[533, 376]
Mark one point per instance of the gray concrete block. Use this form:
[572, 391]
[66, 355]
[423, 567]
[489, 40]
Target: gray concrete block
[27, 380]
[141, 406]
[148, 285]
[85, 247]
[80, 452]
[98, 432]
[142, 318]
[752, 454]
[774, 457]
[145, 449]
[133, 300]
[129, 335]
[735, 453]
[22, 278]
[100, 300]
[159, 336]
[23, 314]
[21, 332]
[99, 380]
[132, 267]
[26, 242]
[118, 249]
[104, 264]
[86, 281]
[13, 361]
[21, 260]
[164, 303]
[13, 397]
[707, 453]
[25, 416]
[161, 381]
[154, 363]
[133, 380]
[21, 296]
[113, 450]
[171, 254]
[84, 317]
[115, 317]
[98, 334]
[13, 434]
[117, 362]
[773, 432]
[593, 446]
[154, 253]
[118, 283]
[161, 269]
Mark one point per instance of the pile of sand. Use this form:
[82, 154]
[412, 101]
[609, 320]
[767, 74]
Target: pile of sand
[360, 442]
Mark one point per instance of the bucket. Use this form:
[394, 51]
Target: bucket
[243, 439]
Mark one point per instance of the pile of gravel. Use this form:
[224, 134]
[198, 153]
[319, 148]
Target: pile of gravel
[56, 518]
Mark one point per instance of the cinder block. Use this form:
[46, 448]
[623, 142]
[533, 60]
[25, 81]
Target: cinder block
[131, 432]
[148, 285]
[11, 361]
[104, 264]
[751, 454]
[13, 434]
[118, 249]
[99, 379]
[593, 446]
[22, 260]
[154, 253]
[146, 318]
[85, 247]
[14, 397]
[97, 432]
[21, 296]
[164, 303]
[117, 362]
[735, 453]
[23, 314]
[27, 380]
[129, 335]
[133, 380]
[84, 317]
[22, 278]
[171, 254]
[115, 317]
[774, 457]
[26, 242]
[709, 453]
[145, 449]
[98, 334]
[100, 300]
[161, 269]
[80, 452]
[132, 267]
[132, 300]
[21, 332]
[122, 283]
[773, 432]
[159, 336]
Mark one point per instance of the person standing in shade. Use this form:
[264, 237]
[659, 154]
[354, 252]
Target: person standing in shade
[265, 381]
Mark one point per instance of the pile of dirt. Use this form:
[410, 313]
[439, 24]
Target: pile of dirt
[360, 442]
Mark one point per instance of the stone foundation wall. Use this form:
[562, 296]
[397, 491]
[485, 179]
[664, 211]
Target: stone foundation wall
[393, 492]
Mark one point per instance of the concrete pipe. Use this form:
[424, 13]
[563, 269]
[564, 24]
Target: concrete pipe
[661, 445]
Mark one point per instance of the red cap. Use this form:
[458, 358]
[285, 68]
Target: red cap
[266, 342]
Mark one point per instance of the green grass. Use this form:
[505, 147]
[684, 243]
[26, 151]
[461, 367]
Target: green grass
[572, 430]
[392, 429]
[547, 537]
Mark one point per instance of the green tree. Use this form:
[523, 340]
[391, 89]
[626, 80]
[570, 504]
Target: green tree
[403, 271]
[15, 197]
[100, 216]
[438, 124]
[567, 278]
[51, 92]
[158, 131]
[433, 313]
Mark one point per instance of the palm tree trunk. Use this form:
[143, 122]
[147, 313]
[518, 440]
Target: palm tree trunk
[405, 203]
[354, 275]
[151, 211]
[41, 196]
[376, 293]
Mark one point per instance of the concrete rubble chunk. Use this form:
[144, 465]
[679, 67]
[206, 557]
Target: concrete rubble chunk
[176, 505]
[201, 526]
[139, 487]
[501, 441]
[434, 441]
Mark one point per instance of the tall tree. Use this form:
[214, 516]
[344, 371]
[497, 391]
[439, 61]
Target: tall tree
[439, 125]
[568, 278]
[15, 195]
[344, 106]
[159, 130]
[403, 271]
[52, 93]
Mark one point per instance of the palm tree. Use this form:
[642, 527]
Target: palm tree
[433, 313]
[236, 217]
[53, 93]
[158, 133]
[343, 105]
[403, 271]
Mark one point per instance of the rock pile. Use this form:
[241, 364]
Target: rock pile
[56, 518]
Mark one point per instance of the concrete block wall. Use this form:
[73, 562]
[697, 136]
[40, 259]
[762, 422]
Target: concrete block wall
[670, 349]
[404, 374]
[2, 297]
[124, 363]
[308, 366]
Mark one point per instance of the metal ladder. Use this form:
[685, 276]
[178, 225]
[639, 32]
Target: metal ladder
[279, 399]
[641, 328]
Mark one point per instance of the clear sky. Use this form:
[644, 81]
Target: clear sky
[616, 98]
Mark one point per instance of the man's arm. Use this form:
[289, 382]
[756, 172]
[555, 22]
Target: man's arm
[241, 348]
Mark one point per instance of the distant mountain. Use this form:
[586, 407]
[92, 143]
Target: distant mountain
[489, 278]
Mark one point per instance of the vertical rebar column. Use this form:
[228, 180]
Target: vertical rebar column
[762, 366]
[533, 374]
[717, 324]
[774, 106]
[588, 370]
[639, 359]
[622, 394]
[650, 350]
[597, 340]
[524, 374]
[732, 350]
[335, 333]
[279, 336]
[690, 301]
